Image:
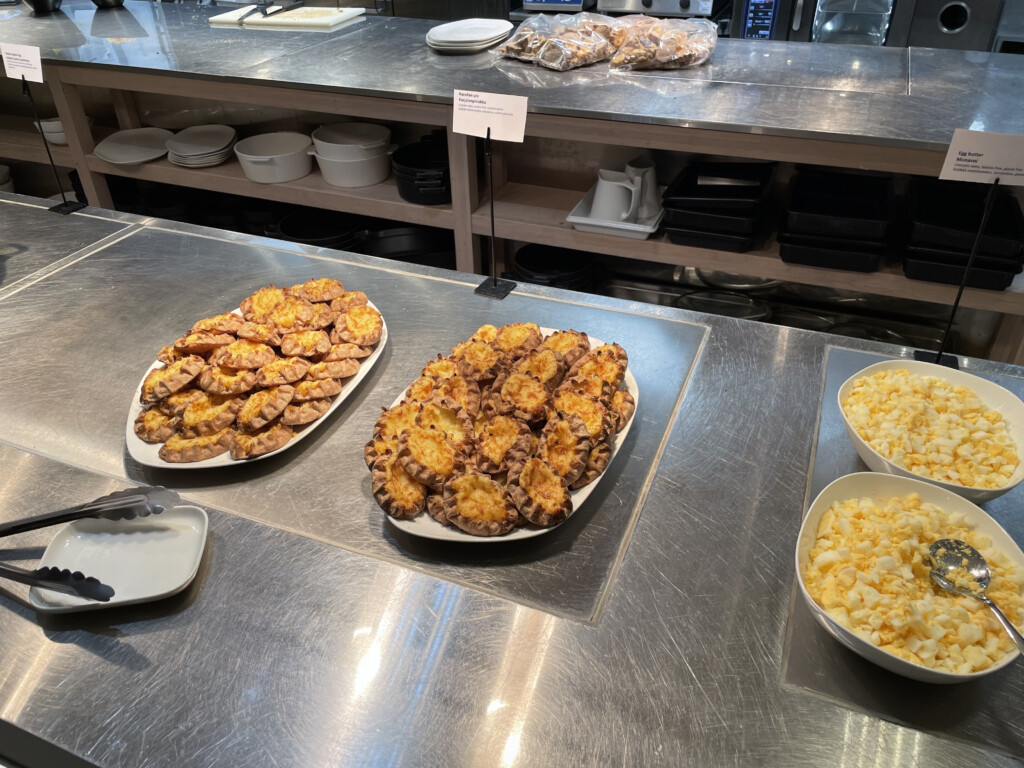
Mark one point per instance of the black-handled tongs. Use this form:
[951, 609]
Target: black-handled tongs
[263, 9]
[120, 505]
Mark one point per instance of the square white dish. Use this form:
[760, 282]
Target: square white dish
[638, 230]
[144, 559]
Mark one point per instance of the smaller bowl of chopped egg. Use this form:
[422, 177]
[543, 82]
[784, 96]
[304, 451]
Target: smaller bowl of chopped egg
[944, 426]
[863, 568]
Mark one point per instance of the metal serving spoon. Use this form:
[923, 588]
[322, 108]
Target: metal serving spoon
[960, 568]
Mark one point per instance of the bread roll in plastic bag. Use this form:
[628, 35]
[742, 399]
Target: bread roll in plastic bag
[563, 42]
[665, 44]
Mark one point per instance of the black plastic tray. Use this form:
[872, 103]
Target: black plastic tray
[959, 259]
[713, 240]
[948, 214]
[920, 269]
[687, 190]
[712, 220]
[832, 253]
[841, 205]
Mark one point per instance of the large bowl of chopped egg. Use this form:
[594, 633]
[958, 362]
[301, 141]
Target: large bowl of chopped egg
[863, 567]
[947, 427]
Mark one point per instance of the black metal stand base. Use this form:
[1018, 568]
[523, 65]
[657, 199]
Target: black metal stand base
[927, 356]
[69, 206]
[494, 288]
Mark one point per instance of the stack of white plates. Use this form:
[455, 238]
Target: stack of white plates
[134, 146]
[468, 35]
[201, 146]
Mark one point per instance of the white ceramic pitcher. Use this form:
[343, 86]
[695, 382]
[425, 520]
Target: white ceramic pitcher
[616, 197]
[641, 170]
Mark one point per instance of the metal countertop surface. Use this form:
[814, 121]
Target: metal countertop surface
[911, 97]
[323, 649]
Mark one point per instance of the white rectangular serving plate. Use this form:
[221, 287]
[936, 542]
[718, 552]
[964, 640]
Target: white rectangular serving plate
[144, 559]
[306, 16]
[148, 454]
[424, 526]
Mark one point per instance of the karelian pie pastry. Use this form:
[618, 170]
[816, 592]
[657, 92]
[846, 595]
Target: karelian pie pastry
[422, 389]
[604, 363]
[219, 380]
[345, 351]
[597, 462]
[393, 420]
[161, 382]
[623, 406]
[202, 342]
[449, 417]
[259, 305]
[174, 405]
[361, 324]
[539, 493]
[306, 412]
[229, 322]
[263, 407]
[152, 426]
[291, 314]
[377, 447]
[565, 445]
[463, 391]
[323, 317]
[546, 364]
[168, 355]
[476, 504]
[427, 455]
[440, 368]
[339, 369]
[305, 343]
[592, 386]
[348, 300]
[178, 449]
[486, 333]
[250, 445]
[522, 396]
[572, 344]
[243, 354]
[480, 361]
[516, 339]
[209, 414]
[615, 351]
[265, 333]
[283, 370]
[397, 494]
[314, 389]
[595, 415]
[435, 508]
[503, 440]
[318, 289]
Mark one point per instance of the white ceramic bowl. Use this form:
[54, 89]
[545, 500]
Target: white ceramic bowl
[56, 137]
[882, 487]
[351, 141]
[994, 396]
[272, 158]
[355, 173]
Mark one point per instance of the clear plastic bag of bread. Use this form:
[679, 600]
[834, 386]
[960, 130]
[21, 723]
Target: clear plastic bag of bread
[564, 41]
[665, 44]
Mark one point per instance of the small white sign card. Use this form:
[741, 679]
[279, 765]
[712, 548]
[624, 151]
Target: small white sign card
[474, 112]
[983, 157]
[22, 60]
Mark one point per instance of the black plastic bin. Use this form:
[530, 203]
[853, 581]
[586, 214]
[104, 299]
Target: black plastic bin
[840, 205]
[738, 187]
[948, 214]
[831, 252]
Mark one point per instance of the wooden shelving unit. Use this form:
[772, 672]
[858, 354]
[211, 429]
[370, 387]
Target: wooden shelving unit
[19, 140]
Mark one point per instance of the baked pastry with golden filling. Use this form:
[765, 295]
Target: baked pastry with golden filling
[377, 447]
[360, 324]
[161, 382]
[440, 368]
[435, 508]
[595, 415]
[290, 314]
[478, 505]
[179, 449]
[597, 463]
[449, 417]
[348, 300]
[427, 455]
[603, 363]
[314, 389]
[152, 426]
[305, 343]
[623, 406]
[319, 289]
[265, 333]
[572, 344]
[261, 303]
[243, 354]
[487, 333]
[396, 492]
[346, 351]
[592, 386]
[209, 414]
[229, 322]
[202, 342]
[393, 420]
[283, 370]
[174, 405]
[168, 355]
[522, 396]
[463, 391]
[615, 351]
[516, 339]
[565, 445]
[264, 406]
[306, 412]
[539, 493]
[323, 317]
[479, 361]
[219, 380]
[422, 389]
[269, 438]
[338, 369]
[503, 440]
[546, 364]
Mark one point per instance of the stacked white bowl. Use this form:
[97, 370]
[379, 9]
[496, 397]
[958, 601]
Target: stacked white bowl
[53, 129]
[353, 154]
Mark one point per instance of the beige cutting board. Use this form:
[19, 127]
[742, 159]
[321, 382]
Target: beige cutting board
[319, 18]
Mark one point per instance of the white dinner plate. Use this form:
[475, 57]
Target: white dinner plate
[456, 49]
[149, 453]
[470, 30]
[134, 146]
[199, 140]
[144, 559]
[426, 527]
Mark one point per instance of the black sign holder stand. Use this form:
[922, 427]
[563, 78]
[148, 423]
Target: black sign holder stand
[492, 287]
[950, 361]
[68, 206]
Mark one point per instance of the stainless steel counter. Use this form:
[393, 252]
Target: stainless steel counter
[887, 96]
[334, 648]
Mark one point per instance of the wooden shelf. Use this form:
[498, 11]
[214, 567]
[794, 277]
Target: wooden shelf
[537, 215]
[381, 200]
[19, 140]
